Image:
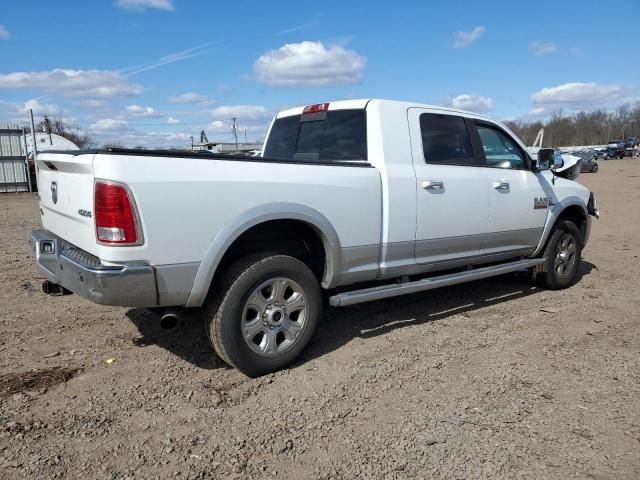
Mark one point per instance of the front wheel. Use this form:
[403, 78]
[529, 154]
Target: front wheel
[561, 257]
[264, 313]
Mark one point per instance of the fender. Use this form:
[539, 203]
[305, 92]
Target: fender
[252, 217]
[554, 214]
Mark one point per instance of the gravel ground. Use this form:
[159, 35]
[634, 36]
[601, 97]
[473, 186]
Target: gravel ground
[490, 379]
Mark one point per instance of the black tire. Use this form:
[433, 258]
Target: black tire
[229, 305]
[561, 257]
[595, 169]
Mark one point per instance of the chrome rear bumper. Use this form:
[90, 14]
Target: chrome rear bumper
[130, 285]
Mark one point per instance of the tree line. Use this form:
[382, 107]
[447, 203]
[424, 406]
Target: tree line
[582, 128]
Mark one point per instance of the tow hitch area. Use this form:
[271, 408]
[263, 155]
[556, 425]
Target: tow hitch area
[54, 289]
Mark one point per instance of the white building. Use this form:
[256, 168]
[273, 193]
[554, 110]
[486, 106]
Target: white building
[44, 141]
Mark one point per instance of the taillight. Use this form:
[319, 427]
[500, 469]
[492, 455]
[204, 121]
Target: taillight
[319, 107]
[115, 216]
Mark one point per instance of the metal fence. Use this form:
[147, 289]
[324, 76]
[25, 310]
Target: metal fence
[14, 174]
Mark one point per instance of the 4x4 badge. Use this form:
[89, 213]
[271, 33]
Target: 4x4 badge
[540, 202]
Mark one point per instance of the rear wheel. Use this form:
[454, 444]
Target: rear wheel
[264, 313]
[561, 257]
[595, 169]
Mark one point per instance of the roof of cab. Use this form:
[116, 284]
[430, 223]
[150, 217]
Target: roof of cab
[363, 102]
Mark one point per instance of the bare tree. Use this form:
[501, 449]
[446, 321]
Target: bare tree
[72, 133]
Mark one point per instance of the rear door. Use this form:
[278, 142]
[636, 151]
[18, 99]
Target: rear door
[518, 198]
[452, 195]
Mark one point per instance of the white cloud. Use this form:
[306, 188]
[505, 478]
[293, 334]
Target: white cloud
[92, 103]
[140, 111]
[4, 33]
[464, 39]
[242, 112]
[471, 102]
[542, 48]
[537, 113]
[221, 131]
[144, 4]
[76, 83]
[577, 96]
[309, 64]
[144, 139]
[41, 108]
[106, 124]
[172, 121]
[219, 126]
[191, 97]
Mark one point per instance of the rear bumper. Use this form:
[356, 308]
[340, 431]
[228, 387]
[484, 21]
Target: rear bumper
[130, 285]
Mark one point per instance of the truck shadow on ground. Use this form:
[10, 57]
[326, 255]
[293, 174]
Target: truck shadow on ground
[340, 325]
[188, 340]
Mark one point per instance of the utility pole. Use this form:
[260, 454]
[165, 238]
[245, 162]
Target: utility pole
[245, 136]
[33, 135]
[192, 143]
[234, 128]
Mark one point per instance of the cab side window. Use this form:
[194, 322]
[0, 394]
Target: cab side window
[446, 140]
[499, 149]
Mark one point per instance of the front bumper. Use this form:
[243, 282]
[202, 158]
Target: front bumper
[130, 285]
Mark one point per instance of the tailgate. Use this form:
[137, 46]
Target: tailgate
[65, 185]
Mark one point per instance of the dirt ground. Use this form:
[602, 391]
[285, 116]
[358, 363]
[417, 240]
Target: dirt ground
[493, 379]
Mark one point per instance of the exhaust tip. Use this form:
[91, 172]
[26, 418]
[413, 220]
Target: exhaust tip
[169, 320]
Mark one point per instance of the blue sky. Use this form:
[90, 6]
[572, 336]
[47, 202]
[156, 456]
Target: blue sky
[155, 72]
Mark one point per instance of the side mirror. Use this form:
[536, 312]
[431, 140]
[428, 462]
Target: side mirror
[558, 162]
[546, 158]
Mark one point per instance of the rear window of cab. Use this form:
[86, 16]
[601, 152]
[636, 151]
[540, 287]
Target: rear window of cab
[335, 135]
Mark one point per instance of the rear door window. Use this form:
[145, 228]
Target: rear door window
[335, 136]
[446, 140]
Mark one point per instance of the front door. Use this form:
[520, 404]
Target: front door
[452, 196]
[518, 198]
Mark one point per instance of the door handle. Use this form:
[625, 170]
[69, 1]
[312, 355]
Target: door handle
[432, 185]
[503, 186]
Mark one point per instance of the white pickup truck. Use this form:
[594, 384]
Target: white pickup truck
[378, 197]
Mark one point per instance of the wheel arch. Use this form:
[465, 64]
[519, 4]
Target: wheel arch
[255, 217]
[573, 209]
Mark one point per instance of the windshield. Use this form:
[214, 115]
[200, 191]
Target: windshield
[336, 135]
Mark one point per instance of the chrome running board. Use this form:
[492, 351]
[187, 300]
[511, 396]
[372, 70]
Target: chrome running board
[396, 289]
